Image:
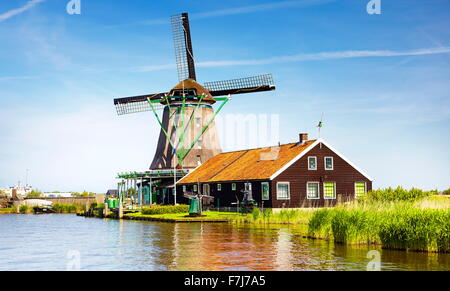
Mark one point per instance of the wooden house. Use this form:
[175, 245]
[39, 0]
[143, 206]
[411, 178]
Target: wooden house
[308, 173]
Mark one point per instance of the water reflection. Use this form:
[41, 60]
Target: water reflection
[42, 242]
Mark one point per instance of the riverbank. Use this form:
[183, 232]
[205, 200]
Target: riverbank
[411, 220]
[413, 226]
[208, 216]
[57, 208]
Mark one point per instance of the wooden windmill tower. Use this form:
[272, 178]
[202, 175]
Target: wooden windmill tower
[188, 133]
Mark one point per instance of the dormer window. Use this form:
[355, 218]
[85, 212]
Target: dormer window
[312, 163]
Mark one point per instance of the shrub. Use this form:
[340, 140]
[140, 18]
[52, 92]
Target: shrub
[24, 209]
[397, 194]
[166, 209]
[66, 208]
[256, 213]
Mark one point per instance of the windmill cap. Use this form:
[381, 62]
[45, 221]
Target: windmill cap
[192, 87]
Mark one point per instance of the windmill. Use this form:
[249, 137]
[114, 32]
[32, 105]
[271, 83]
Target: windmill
[188, 134]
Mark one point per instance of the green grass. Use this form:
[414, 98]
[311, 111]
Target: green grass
[7, 210]
[182, 216]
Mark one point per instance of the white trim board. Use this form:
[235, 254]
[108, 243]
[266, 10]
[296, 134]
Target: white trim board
[303, 153]
[190, 172]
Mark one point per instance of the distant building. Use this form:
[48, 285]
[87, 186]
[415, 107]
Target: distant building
[57, 195]
[112, 193]
[308, 173]
[21, 191]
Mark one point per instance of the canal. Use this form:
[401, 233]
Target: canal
[60, 242]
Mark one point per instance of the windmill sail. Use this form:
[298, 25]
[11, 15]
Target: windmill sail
[183, 47]
[135, 104]
[240, 86]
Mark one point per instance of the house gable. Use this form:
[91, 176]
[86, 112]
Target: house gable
[305, 153]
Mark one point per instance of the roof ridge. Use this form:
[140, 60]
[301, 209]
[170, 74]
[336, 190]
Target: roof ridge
[266, 147]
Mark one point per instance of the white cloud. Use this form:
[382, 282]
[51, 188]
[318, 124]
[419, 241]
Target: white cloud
[242, 10]
[8, 14]
[260, 7]
[79, 150]
[307, 57]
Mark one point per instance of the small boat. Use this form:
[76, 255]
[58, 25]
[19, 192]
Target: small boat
[43, 210]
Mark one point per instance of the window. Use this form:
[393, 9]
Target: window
[200, 144]
[312, 163]
[265, 190]
[360, 189]
[233, 186]
[219, 187]
[205, 189]
[329, 164]
[198, 121]
[184, 188]
[329, 190]
[283, 191]
[199, 160]
[195, 188]
[312, 190]
[248, 186]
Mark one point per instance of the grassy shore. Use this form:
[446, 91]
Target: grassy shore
[209, 215]
[416, 224]
[58, 208]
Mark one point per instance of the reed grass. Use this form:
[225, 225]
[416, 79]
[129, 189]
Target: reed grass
[67, 208]
[267, 216]
[416, 221]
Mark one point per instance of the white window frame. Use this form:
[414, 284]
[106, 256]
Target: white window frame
[365, 188]
[318, 190]
[184, 189]
[325, 163]
[262, 191]
[315, 158]
[233, 186]
[323, 186]
[219, 187]
[194, 188]
[289, 191]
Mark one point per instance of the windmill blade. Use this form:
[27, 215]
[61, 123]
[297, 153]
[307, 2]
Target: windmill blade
[183, 46]
[135, 104]
[259, 83]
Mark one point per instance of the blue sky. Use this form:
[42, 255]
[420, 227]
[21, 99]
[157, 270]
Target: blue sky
[382, 82]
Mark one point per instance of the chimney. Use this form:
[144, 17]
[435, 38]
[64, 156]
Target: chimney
[303, 137]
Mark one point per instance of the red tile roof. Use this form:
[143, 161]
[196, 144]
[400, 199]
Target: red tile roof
[253, 164]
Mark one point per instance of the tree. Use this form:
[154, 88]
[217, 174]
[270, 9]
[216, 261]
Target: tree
[447, 192]
[34, 194]
[83, 194]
